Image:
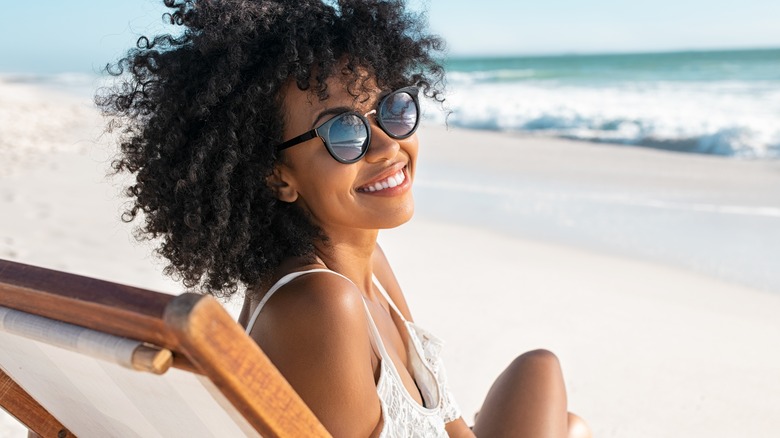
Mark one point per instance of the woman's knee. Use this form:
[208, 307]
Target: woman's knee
[536, 359]
[529, 394]
[538, 369]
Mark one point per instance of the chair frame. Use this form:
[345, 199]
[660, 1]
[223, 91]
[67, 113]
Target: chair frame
[202, 336]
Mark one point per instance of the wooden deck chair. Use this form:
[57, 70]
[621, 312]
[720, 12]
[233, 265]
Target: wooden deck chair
[91, 358]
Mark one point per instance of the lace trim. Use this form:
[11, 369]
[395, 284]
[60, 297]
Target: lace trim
[402, 417]
[430, 346]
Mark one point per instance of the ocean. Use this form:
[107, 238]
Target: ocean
[719, 102]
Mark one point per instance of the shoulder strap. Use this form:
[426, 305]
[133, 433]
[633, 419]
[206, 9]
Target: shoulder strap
[387, 297]
[278, 285]
[374, 331]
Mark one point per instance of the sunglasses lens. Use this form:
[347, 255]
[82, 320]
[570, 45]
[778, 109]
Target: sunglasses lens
[348, 137]
[398, 114]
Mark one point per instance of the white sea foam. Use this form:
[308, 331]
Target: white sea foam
[81, 85]
[732, 118]
[491, 75]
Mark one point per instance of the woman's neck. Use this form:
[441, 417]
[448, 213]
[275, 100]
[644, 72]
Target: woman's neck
[351, 254]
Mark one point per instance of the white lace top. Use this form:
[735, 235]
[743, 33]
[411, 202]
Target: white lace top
[403, 416]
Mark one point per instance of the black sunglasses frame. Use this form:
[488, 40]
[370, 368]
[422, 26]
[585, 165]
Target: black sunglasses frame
[323, 130]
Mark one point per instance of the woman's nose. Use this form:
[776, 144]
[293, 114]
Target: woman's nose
[382, 146]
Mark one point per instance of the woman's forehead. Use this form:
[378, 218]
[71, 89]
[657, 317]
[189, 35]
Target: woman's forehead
[341, 91]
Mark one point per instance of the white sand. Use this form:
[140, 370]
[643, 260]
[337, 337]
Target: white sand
[649, 347]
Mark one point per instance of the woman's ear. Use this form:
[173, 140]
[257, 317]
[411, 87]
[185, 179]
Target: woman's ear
[279, 183]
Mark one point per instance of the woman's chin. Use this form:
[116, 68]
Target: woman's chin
[400, 219]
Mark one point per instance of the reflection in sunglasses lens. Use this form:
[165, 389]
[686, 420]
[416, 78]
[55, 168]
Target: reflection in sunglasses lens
[348, 137]
[399, 114]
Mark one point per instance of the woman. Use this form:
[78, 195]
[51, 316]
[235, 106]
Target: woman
[271, 140]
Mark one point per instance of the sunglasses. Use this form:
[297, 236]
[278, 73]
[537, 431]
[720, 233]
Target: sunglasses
[347, 135]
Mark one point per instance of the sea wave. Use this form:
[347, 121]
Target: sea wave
[489, 76]
[730, 118]
[77, 84]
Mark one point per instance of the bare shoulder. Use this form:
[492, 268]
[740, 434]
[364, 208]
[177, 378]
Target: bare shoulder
[315, 330]
[316, 310]
[384, 273]
[318, 297]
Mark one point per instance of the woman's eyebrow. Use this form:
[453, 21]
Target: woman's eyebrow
[330, 111]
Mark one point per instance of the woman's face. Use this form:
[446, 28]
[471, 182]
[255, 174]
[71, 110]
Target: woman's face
[337, 195]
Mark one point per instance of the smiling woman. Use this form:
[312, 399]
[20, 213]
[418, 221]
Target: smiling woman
[339, 197]
[270, 142]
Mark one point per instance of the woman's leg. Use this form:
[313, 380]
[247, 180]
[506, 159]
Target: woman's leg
[529, 400]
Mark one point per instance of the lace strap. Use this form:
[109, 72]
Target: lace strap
[278, 285]
[387, 297]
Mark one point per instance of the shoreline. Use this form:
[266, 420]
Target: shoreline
[82, 86]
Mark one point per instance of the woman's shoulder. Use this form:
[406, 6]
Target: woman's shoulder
[315, 297]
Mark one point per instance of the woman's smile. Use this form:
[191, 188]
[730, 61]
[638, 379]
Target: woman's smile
[392, 182]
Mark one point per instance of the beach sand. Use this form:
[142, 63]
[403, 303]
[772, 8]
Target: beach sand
[643, 270]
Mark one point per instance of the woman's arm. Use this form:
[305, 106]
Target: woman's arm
[316, 332]
[459, 429]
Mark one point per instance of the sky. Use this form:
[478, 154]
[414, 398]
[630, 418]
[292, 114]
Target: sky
[48, 36]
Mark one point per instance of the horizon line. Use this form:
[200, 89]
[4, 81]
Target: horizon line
[620, 52]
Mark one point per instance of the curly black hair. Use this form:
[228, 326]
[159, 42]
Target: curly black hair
[199, 113]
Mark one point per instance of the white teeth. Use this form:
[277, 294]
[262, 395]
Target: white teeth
[389, 182]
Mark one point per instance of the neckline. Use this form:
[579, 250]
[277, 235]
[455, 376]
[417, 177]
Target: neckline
[413, 342]
[387, 362]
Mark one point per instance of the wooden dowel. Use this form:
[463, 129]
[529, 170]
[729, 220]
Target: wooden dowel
[152, 359]
[128, 353]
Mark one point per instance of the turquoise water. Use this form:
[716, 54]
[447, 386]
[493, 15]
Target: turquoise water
[720, 102]
[744, 65]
